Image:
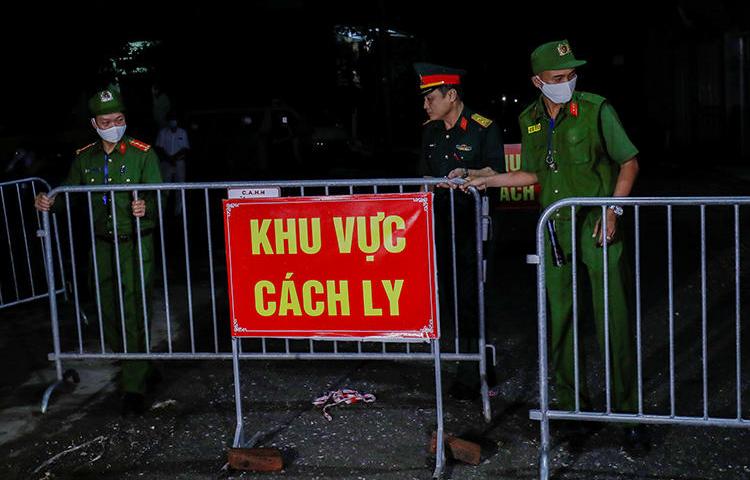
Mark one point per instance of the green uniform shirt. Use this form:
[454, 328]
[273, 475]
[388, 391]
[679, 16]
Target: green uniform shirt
[474, 142]
[132, 161]
[588, 144]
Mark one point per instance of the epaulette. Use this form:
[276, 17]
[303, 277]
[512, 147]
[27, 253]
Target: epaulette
[140, 145]
[83, 149]
[485, 122]
[591, 98]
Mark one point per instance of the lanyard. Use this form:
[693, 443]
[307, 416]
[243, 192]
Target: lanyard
[550, 158]
[106, 176]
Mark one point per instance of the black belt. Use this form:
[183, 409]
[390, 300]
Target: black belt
[122, 237]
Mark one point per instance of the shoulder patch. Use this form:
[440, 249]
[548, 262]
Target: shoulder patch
[485, 122]
[83, 149]
[144, 147]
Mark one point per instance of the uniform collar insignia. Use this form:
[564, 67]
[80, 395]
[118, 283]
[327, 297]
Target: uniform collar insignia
[574, 109]
[463, 148]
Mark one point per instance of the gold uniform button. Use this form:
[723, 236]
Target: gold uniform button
[92, 180]
[127, 180]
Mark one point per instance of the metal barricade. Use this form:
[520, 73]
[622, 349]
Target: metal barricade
[22, 275]
[656, 352]
[188, 322]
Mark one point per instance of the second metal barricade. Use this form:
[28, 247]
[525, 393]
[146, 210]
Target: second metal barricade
[657, 365]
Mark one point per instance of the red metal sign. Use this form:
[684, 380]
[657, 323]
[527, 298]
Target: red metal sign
[359, 266]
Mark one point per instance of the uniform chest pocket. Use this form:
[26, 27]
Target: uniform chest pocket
[577, 145]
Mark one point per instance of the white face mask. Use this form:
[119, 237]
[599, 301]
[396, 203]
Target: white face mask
[559, 92]
[111, 134]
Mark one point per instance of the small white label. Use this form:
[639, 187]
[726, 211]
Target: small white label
[267, 192]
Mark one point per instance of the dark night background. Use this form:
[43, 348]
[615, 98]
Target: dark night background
[677, 72]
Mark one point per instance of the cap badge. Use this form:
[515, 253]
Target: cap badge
[563, 49]
[105, 96]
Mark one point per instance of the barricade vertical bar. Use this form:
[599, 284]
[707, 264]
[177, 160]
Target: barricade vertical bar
[574, 268]
[704, 313]
[607, 361]
[95, 265]
[52, 297]
[737, 309]
[638, 332]
[26, 242]
[440, 444]
[73, 271]
[239, 430]
[52, 311]
[164, 271]
[454, 270]
[116, 237]
[480, 305]
[60, 258]
[374, 190]
[189, 281]
[143, 280]
[211, 271]
[544, 448]
[670, 261]
[10, 244]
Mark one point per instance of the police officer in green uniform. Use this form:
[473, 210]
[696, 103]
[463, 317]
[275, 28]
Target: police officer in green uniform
[457, 139]
[119, 159]
[574, 145]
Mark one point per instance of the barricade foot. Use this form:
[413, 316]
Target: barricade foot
[69, 376]
[239, 437]
[438, 473]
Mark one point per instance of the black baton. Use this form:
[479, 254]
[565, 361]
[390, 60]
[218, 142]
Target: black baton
[558, 258]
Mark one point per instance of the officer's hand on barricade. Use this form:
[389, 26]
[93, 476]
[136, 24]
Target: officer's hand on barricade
[480, 183]
[458, 173]
[611, 228]
[43, 203]
[139, 208]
